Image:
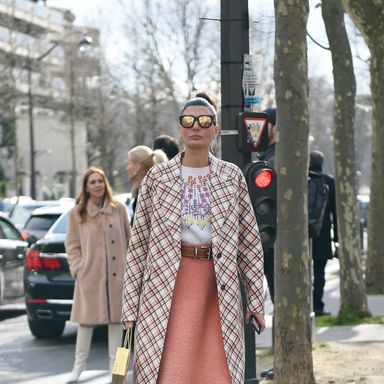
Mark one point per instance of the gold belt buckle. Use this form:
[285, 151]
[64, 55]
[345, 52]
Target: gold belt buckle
[209, 253]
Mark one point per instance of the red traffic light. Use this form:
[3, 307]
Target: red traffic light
[263, 179]
[261, 182]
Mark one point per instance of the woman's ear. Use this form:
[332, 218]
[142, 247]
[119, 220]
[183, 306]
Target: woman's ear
[217, 130]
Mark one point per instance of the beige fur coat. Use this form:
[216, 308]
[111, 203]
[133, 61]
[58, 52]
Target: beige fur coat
[96, 252]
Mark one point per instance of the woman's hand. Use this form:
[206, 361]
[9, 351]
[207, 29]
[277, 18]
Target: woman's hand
[259, 319]
[128, 324]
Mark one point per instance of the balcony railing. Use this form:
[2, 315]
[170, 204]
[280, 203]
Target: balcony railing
[36, 14]
[27, 45]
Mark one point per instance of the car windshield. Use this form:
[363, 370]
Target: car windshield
[8, 232]
[41, 222]
[60, 225]
[21, 213]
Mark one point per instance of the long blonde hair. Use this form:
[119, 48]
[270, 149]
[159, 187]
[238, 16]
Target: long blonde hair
[147, 158]
[83, 197]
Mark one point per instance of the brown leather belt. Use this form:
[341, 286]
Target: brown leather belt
[202, 253]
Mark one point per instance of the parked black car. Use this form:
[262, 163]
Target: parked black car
[12, 255]
[48, 284]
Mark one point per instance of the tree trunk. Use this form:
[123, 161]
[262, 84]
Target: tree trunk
[369, 19]
[352, 289]
[293, 354]
[375, 256]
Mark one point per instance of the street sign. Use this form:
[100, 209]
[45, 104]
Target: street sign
[252, 131]
[251, 84]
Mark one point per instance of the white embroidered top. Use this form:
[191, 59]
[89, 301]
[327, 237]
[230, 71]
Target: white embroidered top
[195, 206]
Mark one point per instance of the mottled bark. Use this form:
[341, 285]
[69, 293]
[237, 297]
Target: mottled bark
[293, 355]
[352, 288]
[369, 18]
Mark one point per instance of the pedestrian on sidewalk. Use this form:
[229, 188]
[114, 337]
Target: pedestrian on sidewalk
[322, 249]
[96, 244]
[195, 233]
[140, 160]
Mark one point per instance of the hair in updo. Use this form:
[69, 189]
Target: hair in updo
[146, 157]
[201, 99]
[168, 144]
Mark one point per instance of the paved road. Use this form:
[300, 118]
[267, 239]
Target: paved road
[24, 359]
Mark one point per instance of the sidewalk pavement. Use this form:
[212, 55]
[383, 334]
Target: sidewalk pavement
[354, 333]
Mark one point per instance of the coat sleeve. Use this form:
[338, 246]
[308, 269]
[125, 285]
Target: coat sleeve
[137, 252]
[332, 208]
[250, 254]
[127, 226]
[73, 244]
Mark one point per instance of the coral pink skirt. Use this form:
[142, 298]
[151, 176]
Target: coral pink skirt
[194, 349]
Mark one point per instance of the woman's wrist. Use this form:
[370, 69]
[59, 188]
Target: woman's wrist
[128, 324]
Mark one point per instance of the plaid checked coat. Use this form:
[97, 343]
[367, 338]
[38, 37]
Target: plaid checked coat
[154, 257]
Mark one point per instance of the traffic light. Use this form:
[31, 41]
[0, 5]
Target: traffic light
[261, 181]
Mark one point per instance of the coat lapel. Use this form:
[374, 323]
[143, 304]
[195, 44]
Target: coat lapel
[170, 196]
[222, 193]
[93, 210]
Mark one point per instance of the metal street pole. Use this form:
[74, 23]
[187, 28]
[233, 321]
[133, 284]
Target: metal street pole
[31, 135]
[85, 40]
[72, 132]
[234, 44]
[31, 63]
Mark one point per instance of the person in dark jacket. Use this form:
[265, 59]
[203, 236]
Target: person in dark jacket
[269, 154]
[322, 245]
[167, 144]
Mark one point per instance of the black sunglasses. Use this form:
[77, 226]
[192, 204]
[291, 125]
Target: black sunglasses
[205, 121]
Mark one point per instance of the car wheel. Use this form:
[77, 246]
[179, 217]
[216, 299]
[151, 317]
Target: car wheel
[46, 329]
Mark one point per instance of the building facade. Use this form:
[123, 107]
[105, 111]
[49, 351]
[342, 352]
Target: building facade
[44, 77]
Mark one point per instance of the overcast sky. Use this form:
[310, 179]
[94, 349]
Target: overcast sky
[105, 15]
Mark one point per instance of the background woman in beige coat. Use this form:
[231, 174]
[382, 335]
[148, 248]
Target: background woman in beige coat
[96, 245]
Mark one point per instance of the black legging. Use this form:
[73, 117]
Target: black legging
[318, 284]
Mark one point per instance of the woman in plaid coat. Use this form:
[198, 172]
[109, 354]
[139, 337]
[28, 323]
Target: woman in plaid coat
[195, 235]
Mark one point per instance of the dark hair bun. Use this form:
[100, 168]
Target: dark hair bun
[205, 96]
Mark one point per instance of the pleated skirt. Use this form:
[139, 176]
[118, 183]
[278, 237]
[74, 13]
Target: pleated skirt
[194, 349]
